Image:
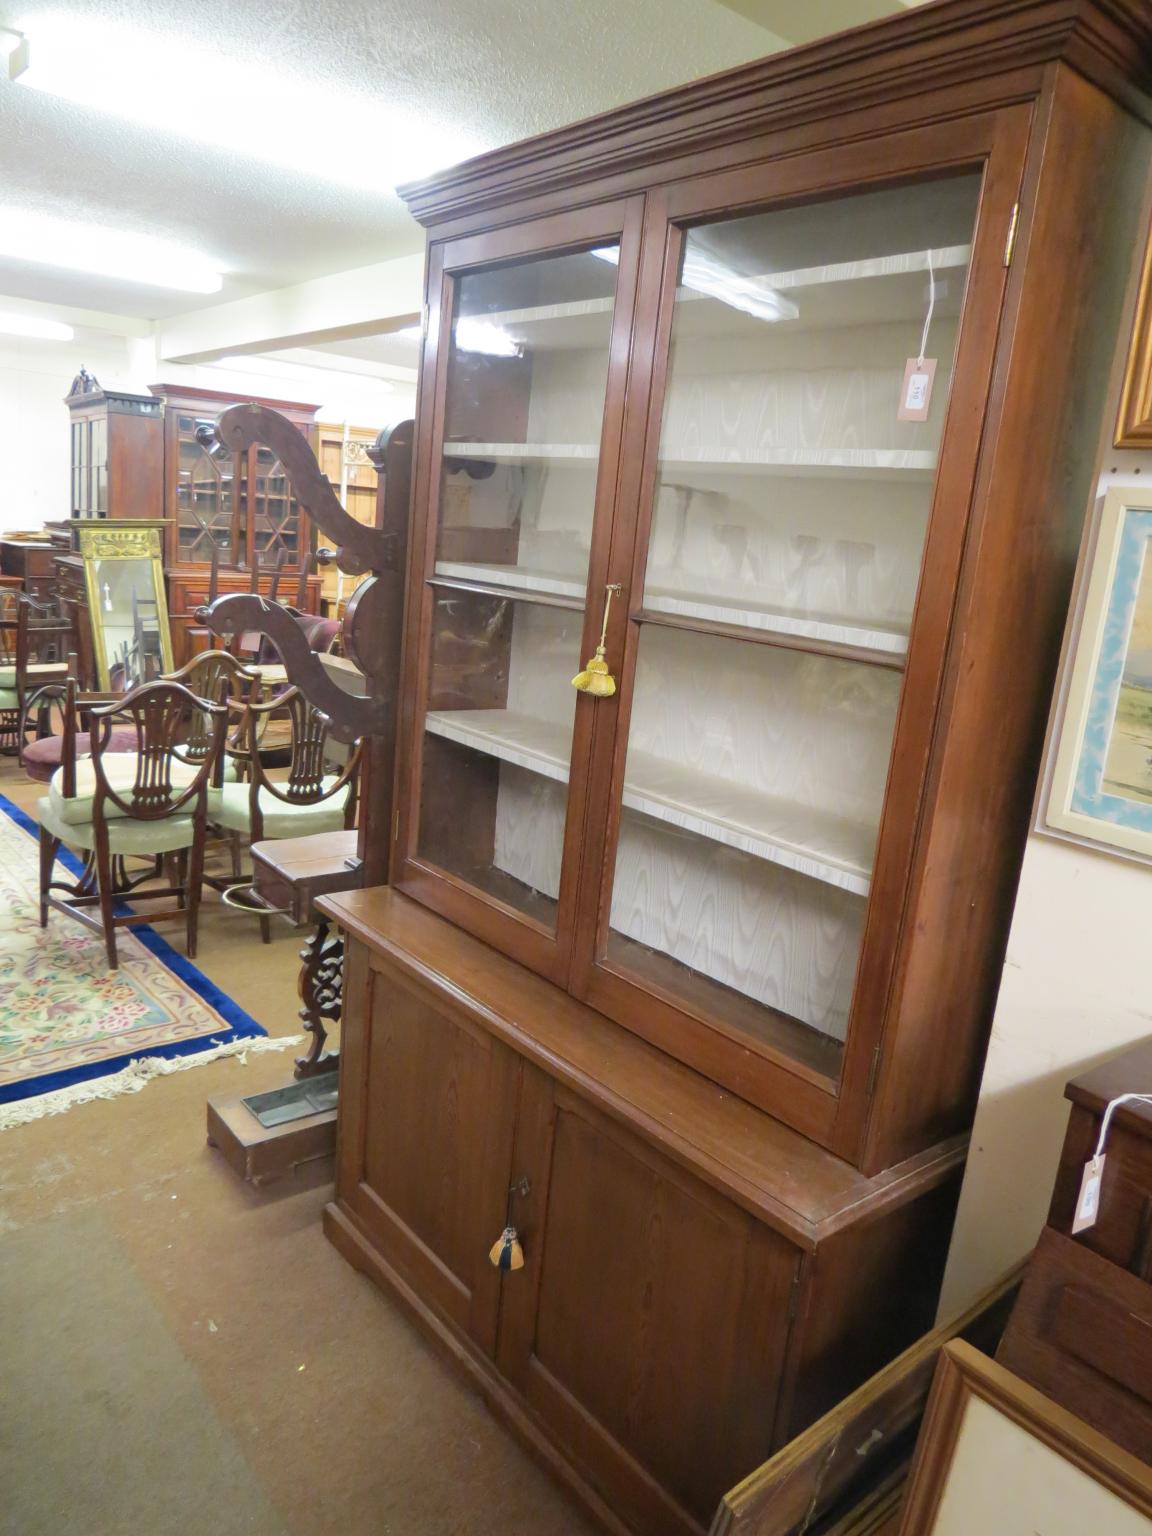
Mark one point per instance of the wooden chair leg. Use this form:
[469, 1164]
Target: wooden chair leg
[107, 900]
[265, 930]
[194, 868]
[180, 877]
[237, 869]
[49, 847]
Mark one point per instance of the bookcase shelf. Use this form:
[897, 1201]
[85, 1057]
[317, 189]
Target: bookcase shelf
[849, 462]
[812, 841]
[889, 641]
[867, 291]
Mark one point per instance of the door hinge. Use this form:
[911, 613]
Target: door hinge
[873, 1073]
[1010, 243]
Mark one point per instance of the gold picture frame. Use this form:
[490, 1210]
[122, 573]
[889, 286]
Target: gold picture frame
[1134, 419]
[127, 602]
[996, 1455]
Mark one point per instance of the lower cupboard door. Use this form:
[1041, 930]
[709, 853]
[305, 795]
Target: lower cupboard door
[648, 1326]
[433, 1140]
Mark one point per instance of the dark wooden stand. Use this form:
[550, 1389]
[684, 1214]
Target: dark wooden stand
[289, 875]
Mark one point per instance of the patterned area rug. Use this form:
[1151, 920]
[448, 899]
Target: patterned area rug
[65, 1018]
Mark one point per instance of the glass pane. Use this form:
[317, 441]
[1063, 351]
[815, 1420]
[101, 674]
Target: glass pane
[275, 513]
[794, 490]
[525, 397]
[129, 621]
[100, 466]
[527, 373]
[204, 485]
[792, 498]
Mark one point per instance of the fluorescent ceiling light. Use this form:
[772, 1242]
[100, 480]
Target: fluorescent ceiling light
[32, 325]
[106, 252]
[713, 277]
[474, 335]
[235, 102]
[471, 333]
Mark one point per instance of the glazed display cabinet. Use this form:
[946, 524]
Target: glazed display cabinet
[145, 457]
[757, 425]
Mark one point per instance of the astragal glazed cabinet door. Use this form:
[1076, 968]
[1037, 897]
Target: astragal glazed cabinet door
[823, 349]
[521, 410]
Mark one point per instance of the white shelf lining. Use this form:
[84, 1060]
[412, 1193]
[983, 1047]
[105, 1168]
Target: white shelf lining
[882, 462]
[813, 842]
[891, 639]
[943, 258]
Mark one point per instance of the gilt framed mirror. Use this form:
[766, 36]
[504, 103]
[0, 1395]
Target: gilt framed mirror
[127, 604]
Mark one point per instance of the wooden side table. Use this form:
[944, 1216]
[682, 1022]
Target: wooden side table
[288, 874]
[266, 1136]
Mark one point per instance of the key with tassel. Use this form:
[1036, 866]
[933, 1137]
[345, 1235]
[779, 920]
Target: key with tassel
[596, 679]
[506, 1252]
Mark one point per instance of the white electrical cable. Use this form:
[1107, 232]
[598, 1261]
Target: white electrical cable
[931, 308]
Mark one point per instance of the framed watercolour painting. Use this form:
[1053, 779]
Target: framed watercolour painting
[998, 1458]
[1101, 780]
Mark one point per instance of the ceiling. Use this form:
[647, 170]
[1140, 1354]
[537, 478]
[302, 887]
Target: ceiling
[268, 226]
[496, 70]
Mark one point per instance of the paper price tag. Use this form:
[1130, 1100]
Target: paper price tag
[1088, 1200]
[916, 390]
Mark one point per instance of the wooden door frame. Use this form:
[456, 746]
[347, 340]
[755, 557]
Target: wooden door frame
[994, 143]
[500, 925]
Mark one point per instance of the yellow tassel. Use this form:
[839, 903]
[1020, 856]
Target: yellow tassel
[596, 679]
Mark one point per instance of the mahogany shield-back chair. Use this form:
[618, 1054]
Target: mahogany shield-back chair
[314, 794]
[34, 643]
[219, 676]
[113, 806]
[209, 675]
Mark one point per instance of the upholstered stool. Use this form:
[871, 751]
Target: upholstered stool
[42, 758]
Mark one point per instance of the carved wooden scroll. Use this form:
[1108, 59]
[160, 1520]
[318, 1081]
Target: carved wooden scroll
[372, 621]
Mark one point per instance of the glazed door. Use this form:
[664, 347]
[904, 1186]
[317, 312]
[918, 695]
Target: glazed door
[521, 409]
[649, 1324]
[276, 529]
[823, 351]
[205, 494]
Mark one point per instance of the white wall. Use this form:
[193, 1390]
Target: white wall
[1076, 988]
[34, 379]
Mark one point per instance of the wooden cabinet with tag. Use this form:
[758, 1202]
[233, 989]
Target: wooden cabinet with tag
[698, 1280]
[756, 429]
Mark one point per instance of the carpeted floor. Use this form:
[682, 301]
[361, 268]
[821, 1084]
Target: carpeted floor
[186, 1356]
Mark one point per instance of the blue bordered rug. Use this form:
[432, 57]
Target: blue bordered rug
[66, 1020]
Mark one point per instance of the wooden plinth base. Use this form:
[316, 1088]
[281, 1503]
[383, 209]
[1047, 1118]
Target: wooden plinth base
[258, 1153]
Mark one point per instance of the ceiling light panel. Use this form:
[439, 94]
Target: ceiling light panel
[238, 105]
[33, 325]
[104, 252]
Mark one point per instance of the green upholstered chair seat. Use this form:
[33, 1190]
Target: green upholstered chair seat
[9, 698]
[39, 672]
[228, 809]
[162, 836]
[120, 771]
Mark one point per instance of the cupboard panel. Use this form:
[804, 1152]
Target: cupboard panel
[656, 1307]
[436, 1147]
